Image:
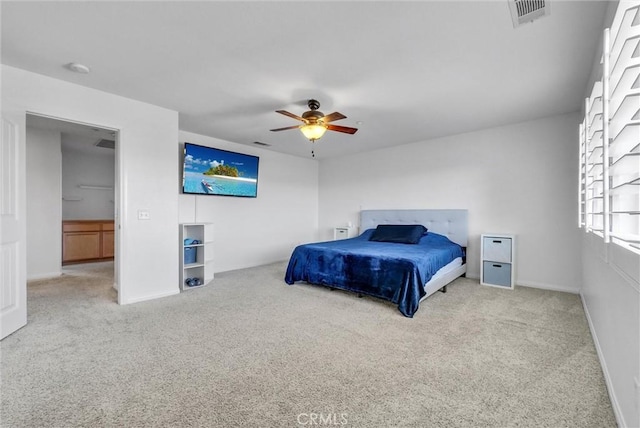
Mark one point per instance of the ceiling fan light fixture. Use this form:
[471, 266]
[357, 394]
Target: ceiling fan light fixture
[316, 123]
[313, 131]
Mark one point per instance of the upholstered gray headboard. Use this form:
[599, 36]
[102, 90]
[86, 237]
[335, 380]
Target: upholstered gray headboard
[450, 223]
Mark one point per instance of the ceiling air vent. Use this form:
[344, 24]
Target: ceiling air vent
[260, 143]
[107, 144]
[523, 11]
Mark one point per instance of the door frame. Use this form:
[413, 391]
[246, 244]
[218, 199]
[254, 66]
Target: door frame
[118, 199]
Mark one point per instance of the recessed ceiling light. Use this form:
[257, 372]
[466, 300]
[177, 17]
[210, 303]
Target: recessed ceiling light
[78, 68]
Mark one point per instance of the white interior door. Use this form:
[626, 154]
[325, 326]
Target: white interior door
[13, 285]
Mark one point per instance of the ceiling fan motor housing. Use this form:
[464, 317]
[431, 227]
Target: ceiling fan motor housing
[312, 116]
[314, 104]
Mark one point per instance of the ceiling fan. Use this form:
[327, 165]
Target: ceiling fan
[315, 122]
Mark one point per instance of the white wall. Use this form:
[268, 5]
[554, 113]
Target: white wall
[147, 250]
[612, 303]
[518, 179]
[255, 231]
[44, 241]
[79, 168]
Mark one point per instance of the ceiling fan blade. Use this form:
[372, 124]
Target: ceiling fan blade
[288, 127]
[333, 117]
[344, 129]
[286, 113]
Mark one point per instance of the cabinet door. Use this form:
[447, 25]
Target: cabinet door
[80, 246]
[497, 249]
[497, 274]
[107, 244]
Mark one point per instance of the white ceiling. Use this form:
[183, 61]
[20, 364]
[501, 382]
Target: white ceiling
[408, 71]
[75, 136]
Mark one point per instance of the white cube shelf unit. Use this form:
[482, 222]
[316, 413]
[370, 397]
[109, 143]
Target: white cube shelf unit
[196, 259]
[497, 267]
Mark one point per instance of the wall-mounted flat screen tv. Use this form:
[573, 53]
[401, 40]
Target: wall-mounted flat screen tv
[210, 171]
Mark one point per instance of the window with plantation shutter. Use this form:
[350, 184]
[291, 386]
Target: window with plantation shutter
[582, 181]
[609, 181]
[624, 127]
[594, 164]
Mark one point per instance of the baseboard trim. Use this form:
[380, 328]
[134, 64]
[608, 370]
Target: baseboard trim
[543, 286]
[44, 276]
[540, 285]
[151, 297]
[617, 411]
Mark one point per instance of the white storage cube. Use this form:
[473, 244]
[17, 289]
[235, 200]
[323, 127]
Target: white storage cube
[497, 266]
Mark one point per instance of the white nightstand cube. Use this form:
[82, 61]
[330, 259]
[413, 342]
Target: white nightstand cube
[341, 233]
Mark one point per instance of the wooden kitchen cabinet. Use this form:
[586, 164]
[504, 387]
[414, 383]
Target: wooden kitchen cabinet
[87, 241]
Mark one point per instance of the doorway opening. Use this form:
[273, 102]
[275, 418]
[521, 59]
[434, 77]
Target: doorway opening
[72, 199]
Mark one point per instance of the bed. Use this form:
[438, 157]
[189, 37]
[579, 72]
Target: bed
[400, 273]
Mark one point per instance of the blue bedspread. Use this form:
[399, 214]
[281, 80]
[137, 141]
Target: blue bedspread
[394, 272]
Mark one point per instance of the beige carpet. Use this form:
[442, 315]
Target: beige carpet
[250, 350]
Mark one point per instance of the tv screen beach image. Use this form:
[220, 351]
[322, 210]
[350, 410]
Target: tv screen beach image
[210, 171]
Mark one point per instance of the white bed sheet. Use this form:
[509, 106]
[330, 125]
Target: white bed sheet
[444, 276]
[454, 264]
